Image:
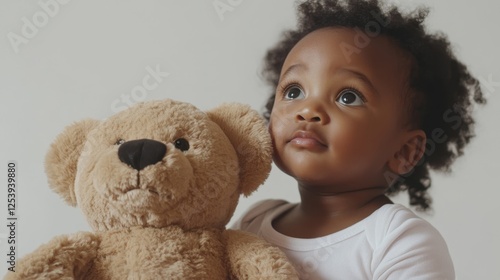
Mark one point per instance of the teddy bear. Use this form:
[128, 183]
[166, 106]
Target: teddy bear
[157, 183]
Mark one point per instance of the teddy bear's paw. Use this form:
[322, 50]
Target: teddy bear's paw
[253, 258]
[273, 265]
[64, 257]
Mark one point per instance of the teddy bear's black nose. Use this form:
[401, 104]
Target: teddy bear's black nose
[141, 153]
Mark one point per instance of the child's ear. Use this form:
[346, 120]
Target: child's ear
[410, 151]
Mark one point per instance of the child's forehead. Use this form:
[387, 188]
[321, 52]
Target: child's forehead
[348, 45]
[379, 58]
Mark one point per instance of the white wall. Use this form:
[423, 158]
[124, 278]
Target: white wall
[88, 55]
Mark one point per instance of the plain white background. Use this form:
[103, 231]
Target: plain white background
[88, 58]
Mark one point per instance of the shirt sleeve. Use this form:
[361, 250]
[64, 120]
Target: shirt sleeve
[251, 219]
[411, 248]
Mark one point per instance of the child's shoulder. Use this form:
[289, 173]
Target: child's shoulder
[391, 217]
[398, 225]
[399, 237]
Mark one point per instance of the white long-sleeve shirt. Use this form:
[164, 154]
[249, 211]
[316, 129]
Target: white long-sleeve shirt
[392, 243]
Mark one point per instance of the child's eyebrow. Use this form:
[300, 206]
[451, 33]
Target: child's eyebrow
[362, 77]
[293, 68]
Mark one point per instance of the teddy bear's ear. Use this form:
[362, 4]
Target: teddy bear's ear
[248, 133]
[62, 158]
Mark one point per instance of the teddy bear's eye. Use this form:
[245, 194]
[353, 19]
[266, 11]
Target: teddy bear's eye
[182, 144]
[119, 141]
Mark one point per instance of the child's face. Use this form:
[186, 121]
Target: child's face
[337, 118]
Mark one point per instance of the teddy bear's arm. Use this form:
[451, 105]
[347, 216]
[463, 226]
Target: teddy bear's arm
[251, 257]
[64, 257]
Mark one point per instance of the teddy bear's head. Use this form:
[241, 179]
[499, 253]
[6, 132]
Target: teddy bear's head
[161, 163]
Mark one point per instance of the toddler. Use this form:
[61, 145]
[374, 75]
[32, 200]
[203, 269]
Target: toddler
[366, 104]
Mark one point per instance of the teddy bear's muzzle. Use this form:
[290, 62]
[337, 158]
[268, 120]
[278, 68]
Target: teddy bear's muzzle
[141, 153]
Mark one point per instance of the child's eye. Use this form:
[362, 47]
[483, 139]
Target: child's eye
[350, 97]
[294, 92]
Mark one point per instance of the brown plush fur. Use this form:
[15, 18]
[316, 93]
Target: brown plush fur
[167, 220]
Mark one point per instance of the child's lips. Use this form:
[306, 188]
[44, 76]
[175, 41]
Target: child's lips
[306, 139]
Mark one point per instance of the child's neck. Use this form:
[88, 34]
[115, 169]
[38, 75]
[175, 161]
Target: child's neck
[319, 214]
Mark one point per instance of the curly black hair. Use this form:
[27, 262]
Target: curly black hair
[442, 91]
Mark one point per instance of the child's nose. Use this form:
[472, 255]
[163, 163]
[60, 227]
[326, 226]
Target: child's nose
[312, 112]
